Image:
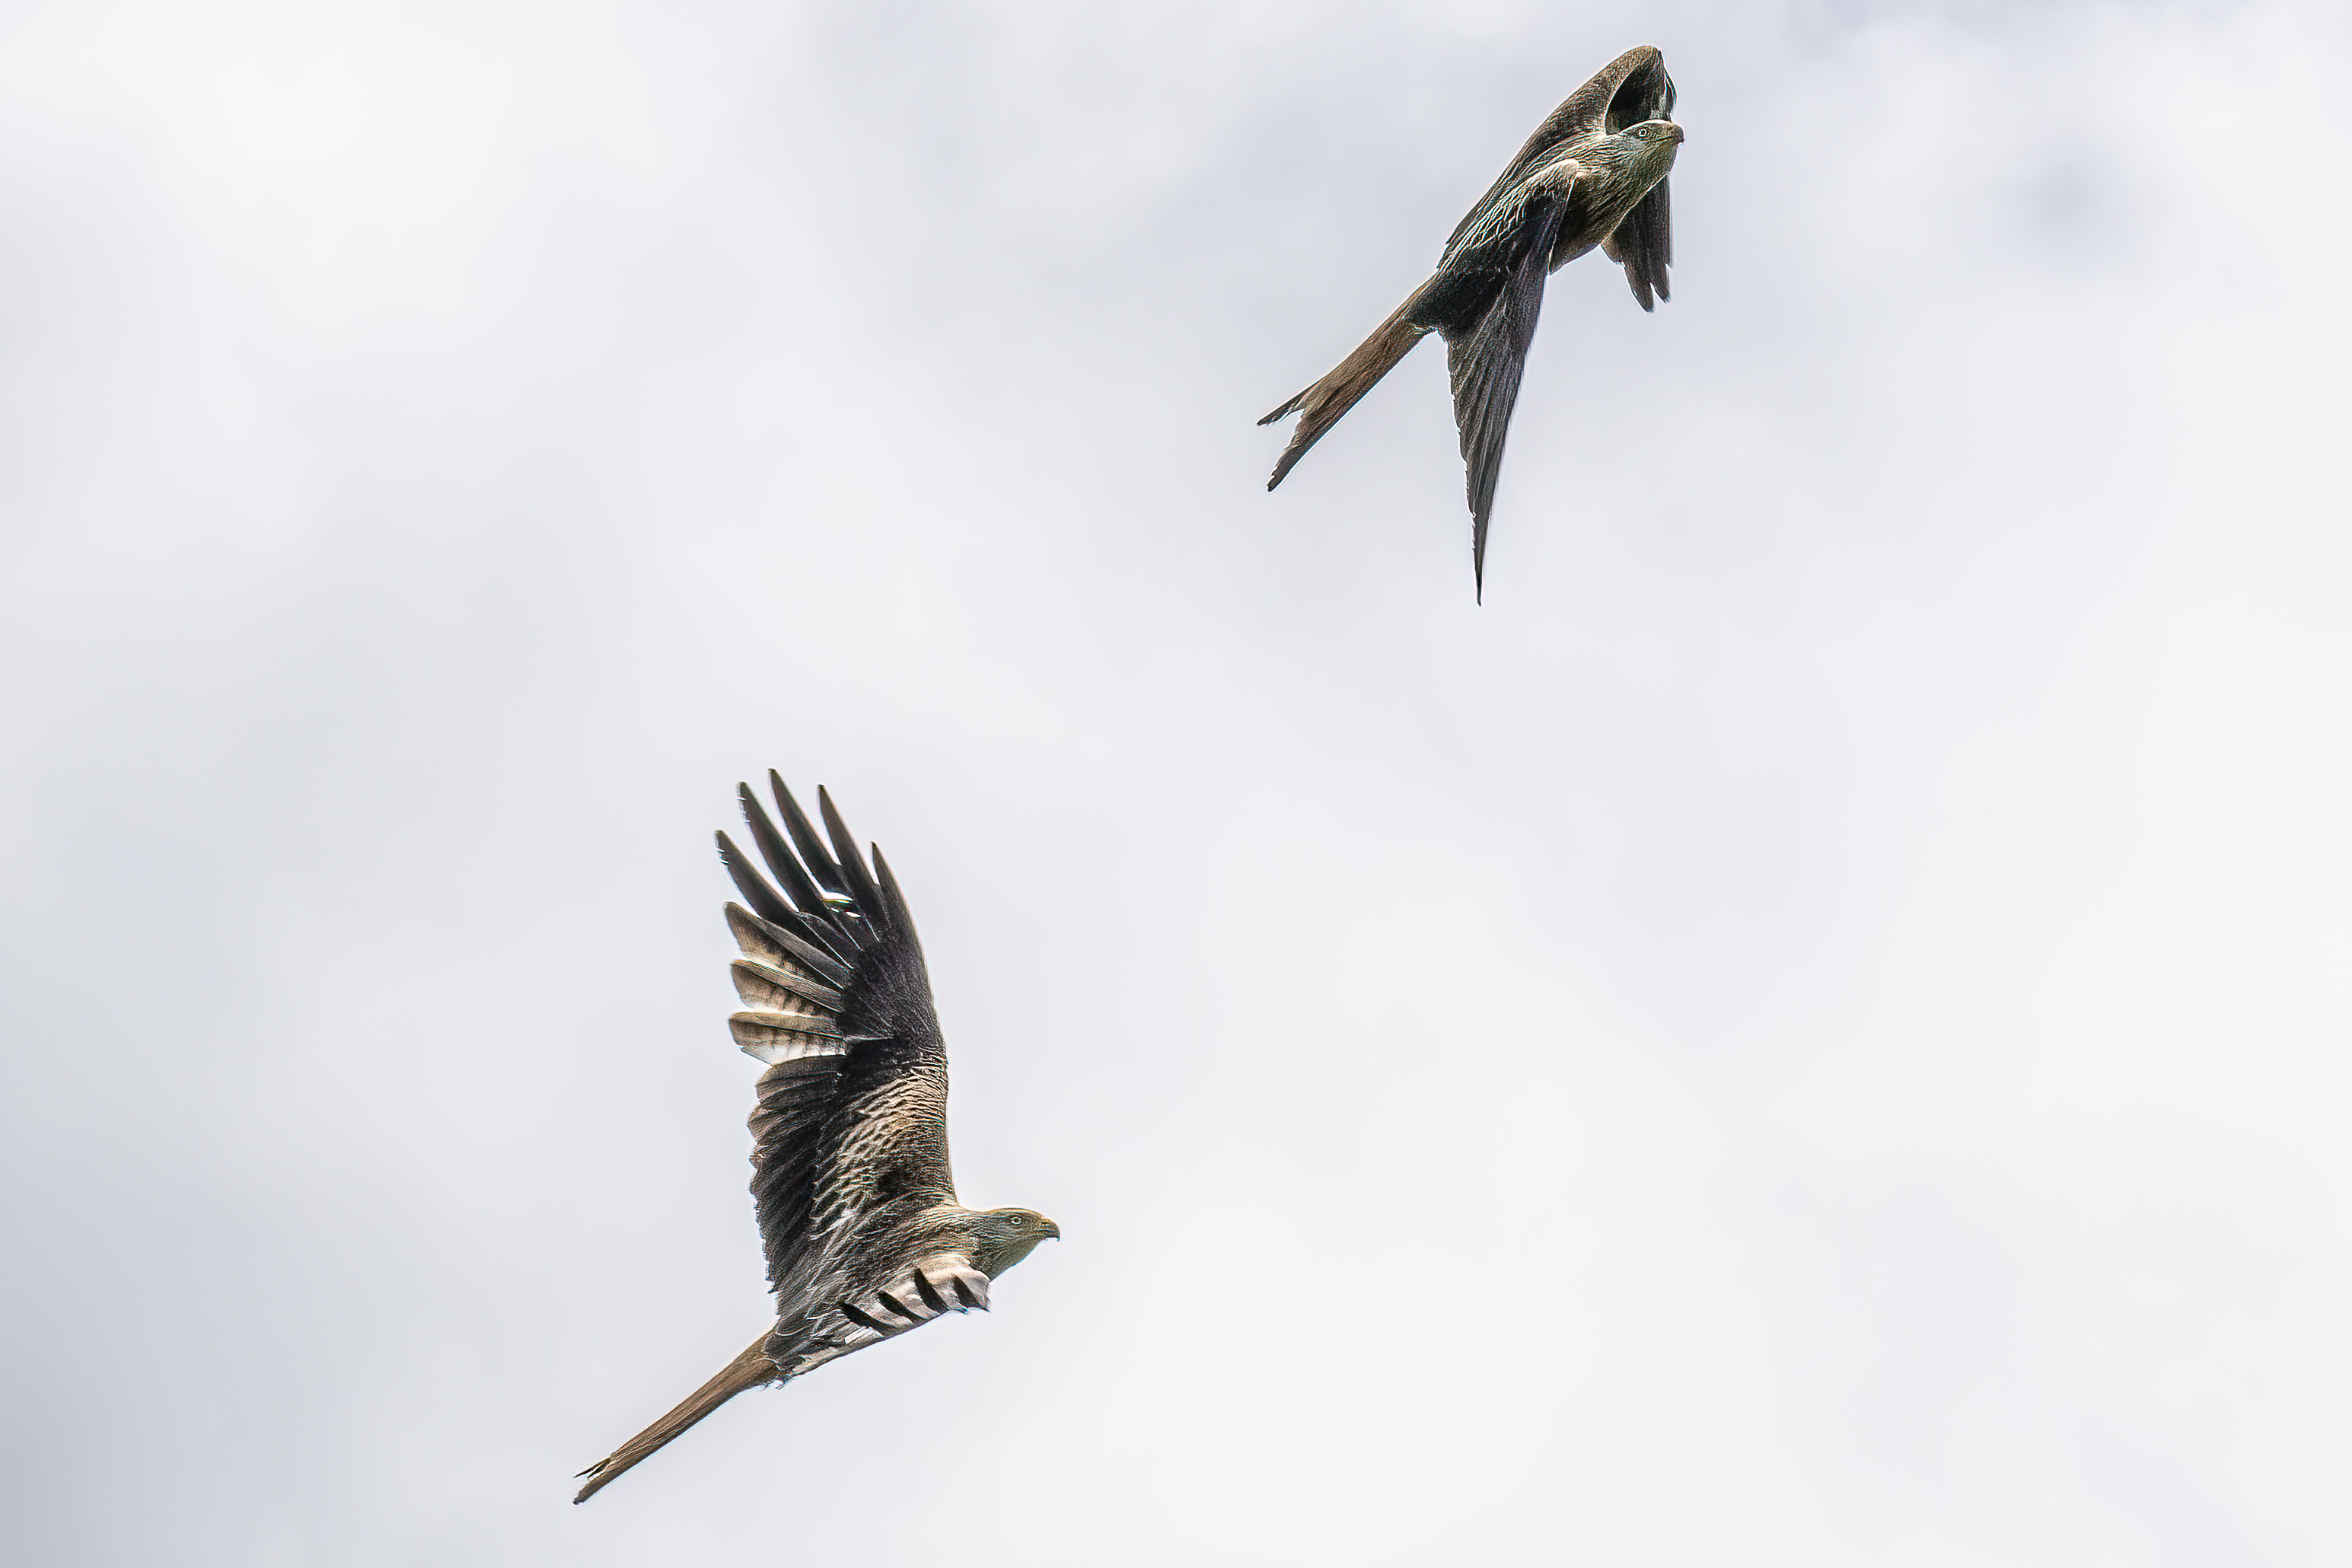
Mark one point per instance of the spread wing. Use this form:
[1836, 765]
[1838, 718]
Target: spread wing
[1631, 89]
[852, 1116]
[1487, 362]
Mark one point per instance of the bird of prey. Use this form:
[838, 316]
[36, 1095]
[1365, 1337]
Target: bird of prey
[864, 1238]
[1592, 174]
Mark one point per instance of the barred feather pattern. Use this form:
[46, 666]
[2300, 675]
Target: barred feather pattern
[851, 1181]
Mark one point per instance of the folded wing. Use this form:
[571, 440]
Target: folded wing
[1486, 363]
[1644, 243]
[1635, 81]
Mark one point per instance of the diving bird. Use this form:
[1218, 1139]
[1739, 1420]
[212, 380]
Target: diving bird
[849, 1158]
[1592, 174]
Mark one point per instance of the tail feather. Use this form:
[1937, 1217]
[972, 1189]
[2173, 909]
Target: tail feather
[748, 1369]
[1320, 406]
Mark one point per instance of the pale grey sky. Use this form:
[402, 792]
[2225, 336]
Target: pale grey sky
[1815, 1023]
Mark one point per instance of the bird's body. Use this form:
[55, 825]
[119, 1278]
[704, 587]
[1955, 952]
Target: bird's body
[856, 1204]
[1594, 176]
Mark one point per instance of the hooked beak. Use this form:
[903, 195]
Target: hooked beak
[1678, 135]
[1052, 1230]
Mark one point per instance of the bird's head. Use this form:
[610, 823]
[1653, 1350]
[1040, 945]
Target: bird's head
[1655, 142]
[1005, 1236]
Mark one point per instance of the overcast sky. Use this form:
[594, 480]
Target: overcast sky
[1810, 1029]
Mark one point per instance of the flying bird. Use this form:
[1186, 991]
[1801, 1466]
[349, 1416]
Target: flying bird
[1592, 174]
[849, 1159]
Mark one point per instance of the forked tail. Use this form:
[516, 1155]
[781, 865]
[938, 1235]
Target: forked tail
[1320, 406]
[748, 1369]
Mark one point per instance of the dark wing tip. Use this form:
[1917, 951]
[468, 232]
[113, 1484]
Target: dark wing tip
[751, 884]
[900, 918]
[804, 837]
[862, 889]
[789, 874]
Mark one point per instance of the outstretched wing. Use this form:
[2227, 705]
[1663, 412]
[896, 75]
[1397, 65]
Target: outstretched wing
[1625, 92]
[852, 1117]
[1487, 362]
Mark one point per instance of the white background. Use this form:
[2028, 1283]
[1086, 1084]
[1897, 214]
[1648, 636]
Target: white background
[1811, 1029]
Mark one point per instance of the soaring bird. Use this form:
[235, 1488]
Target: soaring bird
[1592, 174]
[849, 1159]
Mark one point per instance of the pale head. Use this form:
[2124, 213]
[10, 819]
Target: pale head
[1655, 140]
[1002, 1237]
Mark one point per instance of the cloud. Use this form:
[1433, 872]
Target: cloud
[1807, 1027]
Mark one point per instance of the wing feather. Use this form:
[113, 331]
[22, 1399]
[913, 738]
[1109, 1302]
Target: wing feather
[1644, 243]
[852, 1113]
[781, 863]
[894, 902]
[1644, 92]
[821, 930]
[754, 889]
[1488, 362]
[1635, 79]
[862, 890]
[761, 1035]
[772, 943]
[780, 988]
[804, 838]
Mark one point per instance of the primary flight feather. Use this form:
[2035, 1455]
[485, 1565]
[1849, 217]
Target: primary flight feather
[856, 1203]
[1592, 176]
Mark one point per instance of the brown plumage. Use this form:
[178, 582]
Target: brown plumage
[856, 1204]
[1593, 174]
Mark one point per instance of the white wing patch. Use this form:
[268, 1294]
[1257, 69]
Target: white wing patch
[941, 1284]
[932, 1289]
[771, 1039]
[790, 1009]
